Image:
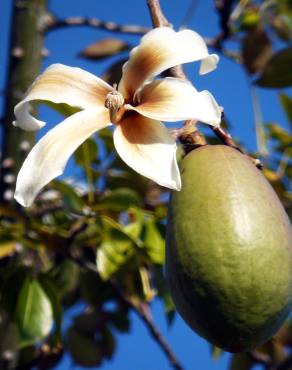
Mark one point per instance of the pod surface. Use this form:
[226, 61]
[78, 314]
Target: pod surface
[228, 250]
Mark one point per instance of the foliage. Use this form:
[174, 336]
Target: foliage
[102, 244]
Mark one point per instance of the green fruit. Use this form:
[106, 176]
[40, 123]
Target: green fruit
[228, 250]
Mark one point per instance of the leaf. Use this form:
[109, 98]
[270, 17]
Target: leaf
[120, 320]
[114, 73]
[104, 48]
[241, 361]
[66, 276]
[7, 248]
[120, 199]
[51, 290]
[256, 50]
[113, 253]
[216, 352]
[154, 242]
[286, 102]
[83, 348]
[34, 312]
[278, 133]
[164, 293]
[72, 198]
[282, 25]
[62, 108]
[91, 152]
[108, 343]
[277, 72]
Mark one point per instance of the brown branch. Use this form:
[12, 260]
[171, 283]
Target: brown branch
[53, 23]
[143, 312]
[191, 140]
[141, 309]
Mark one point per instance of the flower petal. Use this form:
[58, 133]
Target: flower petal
[160, 49]
[171, 99]
[48, 157]
[61, 84]
[147, 147]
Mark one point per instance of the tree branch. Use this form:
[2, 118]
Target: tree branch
[53, 23]
[143, 312]
[141, 309]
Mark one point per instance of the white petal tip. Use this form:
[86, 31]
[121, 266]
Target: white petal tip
[23, 202]
[208, 64]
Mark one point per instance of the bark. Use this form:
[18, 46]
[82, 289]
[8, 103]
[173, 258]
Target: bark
[24, 62]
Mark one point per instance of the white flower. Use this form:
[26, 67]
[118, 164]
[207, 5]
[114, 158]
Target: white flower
[136, 110]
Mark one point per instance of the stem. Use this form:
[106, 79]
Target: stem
[258, 121]
[55, 24]
[88, 172]
[24, 64]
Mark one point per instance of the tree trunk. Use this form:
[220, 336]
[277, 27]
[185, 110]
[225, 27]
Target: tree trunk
[25, 57]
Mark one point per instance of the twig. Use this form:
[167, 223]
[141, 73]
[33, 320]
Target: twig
[142, 310]
[157, 16]
[54, 23]
[190, 140]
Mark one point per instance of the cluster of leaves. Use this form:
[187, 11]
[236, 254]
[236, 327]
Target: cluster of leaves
[96, 247]
[102, 246]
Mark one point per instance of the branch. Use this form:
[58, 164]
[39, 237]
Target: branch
[142, 310]
[54, 23]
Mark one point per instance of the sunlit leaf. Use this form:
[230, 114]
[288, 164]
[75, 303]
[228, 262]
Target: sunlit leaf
[286, 102]
[7, 248]
[153, 241]
[34, 311]
[115, 250]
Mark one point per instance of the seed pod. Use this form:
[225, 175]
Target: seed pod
[228, 250]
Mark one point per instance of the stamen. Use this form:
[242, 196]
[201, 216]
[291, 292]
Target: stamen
[113, 102]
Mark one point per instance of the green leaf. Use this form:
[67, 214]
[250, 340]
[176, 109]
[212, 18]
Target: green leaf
[112, 255]
[52, 292]
[91, 152]
[164, 293]
[277, 72]
[286, 102]
[216, 352]
[34, 312]
[72, 198]
[120, 199]
[83, 348]
[62, 108]
[154, 242]
[66, 276]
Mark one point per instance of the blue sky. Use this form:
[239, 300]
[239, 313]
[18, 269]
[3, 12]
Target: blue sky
[228, 84]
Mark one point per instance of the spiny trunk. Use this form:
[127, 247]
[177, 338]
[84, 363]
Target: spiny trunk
[25, 57]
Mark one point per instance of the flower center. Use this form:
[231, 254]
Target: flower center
[113, 102]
